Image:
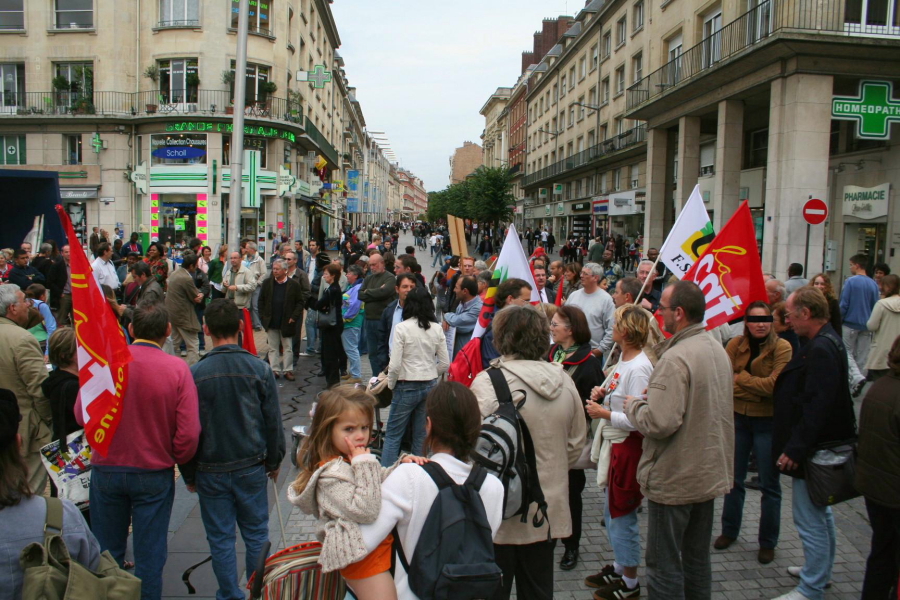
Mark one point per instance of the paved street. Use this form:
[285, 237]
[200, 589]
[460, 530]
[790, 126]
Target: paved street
[736, 574]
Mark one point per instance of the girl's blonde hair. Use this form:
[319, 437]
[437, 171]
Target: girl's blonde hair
[317, 446]
[634, 324]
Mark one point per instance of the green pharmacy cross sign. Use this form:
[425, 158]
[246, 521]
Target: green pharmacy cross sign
[874, 109]
[97, 143]
[319, 76]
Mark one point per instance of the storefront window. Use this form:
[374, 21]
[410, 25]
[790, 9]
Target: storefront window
[12, 76]
[177, 218]
[178, 149]
[178, 80]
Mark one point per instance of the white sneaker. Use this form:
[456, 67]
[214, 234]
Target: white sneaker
[792, 595]
[795, 572]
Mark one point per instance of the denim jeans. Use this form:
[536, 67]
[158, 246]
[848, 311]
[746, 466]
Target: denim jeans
[350, 338]
[815, 525]
[408, 403]
[254, 308]
[363, 339]
[374, 338]
[678, 541]
[754, 433]
[312, 331]
[624, 536]
[229, 498]
[141, 499]
[437, 257]
[200, 309]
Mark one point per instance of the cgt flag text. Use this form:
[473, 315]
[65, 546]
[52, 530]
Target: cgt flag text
[729, 271]
[103, 353]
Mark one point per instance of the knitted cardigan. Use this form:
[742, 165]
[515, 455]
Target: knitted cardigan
[342, 496]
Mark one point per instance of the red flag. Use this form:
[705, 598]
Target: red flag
[103, 353]
[249, 342]
[559, 291]
[729, 272]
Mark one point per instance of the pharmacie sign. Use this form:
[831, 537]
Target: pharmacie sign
[268, 132]
[866, 203]
[873, 109]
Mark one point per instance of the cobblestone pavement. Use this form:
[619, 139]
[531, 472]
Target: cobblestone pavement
[736, 573]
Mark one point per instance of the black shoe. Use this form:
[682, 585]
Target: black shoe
[320, 374]
[569, 560]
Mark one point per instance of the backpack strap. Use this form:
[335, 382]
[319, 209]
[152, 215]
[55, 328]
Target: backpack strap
[53, 522]
[476, 476]
[501, 388]
[537, 494]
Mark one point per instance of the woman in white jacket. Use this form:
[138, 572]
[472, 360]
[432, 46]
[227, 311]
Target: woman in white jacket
[418, 357]
[885, 323]
[453, 424]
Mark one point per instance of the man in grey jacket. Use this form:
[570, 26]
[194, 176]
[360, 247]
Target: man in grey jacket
[688, 451]
[257, 266]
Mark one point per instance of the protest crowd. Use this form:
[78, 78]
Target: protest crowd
[512, 377]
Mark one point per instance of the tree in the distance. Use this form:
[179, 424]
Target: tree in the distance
[485, 196]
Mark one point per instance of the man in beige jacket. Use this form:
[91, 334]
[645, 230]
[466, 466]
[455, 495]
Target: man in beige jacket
[239, 282]
[182, 296]
[688, 452]
[22, 371]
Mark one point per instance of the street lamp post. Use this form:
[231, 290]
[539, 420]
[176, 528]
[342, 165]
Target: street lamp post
[237, 138]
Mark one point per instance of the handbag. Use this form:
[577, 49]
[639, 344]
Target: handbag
[49, 572]
[378, 387]
[326, 320]
[830, 472]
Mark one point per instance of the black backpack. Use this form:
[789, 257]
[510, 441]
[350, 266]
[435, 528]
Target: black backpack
[454, 557]
[505, 449]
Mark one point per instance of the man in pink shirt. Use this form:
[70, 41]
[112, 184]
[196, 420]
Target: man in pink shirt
[134, 484]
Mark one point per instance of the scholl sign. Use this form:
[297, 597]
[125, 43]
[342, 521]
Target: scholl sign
[170, 153]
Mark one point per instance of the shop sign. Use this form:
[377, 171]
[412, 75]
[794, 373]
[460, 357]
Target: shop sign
[268, 132]
[178, 149]
[560, 208]
[873, 109]
[866, 203]
[600, 205]
[580, 206]
[542, 193]
[139, 177]
[622, 203]
[77, 194]
[557, 189]
[547, 211]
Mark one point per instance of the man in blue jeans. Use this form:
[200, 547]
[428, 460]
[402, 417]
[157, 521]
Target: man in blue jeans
[134, 484]
[243, 443]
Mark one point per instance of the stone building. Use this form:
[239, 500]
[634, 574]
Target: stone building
[132, 103]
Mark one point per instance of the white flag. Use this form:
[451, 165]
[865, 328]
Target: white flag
[691, 234]
[512, 263]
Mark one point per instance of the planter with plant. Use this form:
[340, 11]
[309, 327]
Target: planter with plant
[193, 84]
[228, 80]
[152, 73]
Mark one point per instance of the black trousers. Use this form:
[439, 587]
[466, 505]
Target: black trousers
[883, 563]
[332, 349]
[530, 566]
[577, 480]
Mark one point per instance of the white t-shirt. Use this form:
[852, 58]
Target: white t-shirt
[406, 498]
[544, 236]
[630, 379]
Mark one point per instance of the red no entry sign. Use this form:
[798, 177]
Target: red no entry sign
[815, 211]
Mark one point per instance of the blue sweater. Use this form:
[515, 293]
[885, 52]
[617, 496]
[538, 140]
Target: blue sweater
[858, 297]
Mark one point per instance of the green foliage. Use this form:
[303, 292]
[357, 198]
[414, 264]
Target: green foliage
[485, 196]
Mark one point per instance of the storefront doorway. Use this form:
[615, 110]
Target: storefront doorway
[177, 218]
[866, 238]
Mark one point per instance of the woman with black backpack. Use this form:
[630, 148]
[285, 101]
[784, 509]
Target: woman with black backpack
[408, 495]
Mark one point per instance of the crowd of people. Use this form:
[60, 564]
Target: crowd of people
[678, 422]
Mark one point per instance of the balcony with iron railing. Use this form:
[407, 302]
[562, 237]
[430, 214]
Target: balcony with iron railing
[768, 21]
[197, 103]
[606, 148]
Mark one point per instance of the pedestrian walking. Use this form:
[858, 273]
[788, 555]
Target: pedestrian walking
[555, 417]
[242, 446]
[572, 349]
[354, 316]
[858, 297]
[617, 450]
[812, 407]
[418, 357]
[757, 358]
[133, 486]
[280, 309]
[331, 301]
[878, 477]
[688, 406]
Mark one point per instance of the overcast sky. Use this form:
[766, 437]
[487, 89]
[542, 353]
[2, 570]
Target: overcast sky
[424, 68]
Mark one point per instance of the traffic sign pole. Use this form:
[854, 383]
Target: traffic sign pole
[815, 212]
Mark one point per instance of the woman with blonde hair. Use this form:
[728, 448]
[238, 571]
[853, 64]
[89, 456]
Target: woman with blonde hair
[617, 451]
[885, 323]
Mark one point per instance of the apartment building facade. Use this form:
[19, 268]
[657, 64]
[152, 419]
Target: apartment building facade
[132, 103]
[495, 137]
[776, 102]
[464, 161]
[586, 162]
